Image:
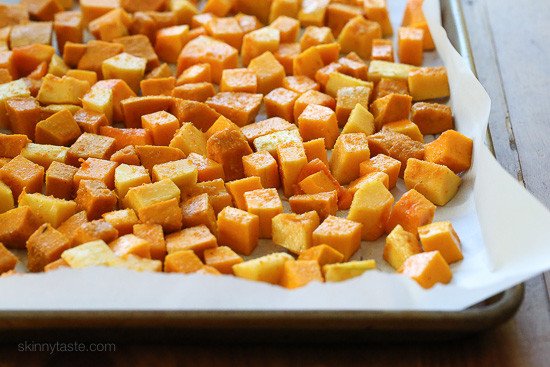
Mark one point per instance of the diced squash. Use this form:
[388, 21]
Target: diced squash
[17, 225]
[95, 198]
[323, 254]
[196, 74]
[318, 122]
[377, 10]
[135, 107]
[395, 145]
[280, 102]
[337, 81]
[308, 62]
[436, 182]
[94, 253]
[286, 54]
[123, 220]
[349, 151]
[167, 213]
[339, 233]
[324, 203]
[400, 245]
[198, 239]
[182, 172]
[406, 127]
[294, 231]
[147, 194]
[263, 165]
[427, 269]
[182, 262]
[127, 67]
[226, 29]
[284, 8]
[346, 100]
[31, 33]
[90, 146]
[348, 270]
[270, 142]
[197, 210]
[357, 35]
[17, 88]
[393, 107]
[170, 41]
[379, 69]
[157, 86]
[222, 258]
[6, 198]
[292, 158]
[241, 108]
[151, 155]
[266, 204]
[429, 83]
[432, 118]
[300, 83]
[259, 41]
[410, 49]
[130, 244]
[269, 71]
[451, 149]
[21, 174]
[8, 261]
[239, 80]
[441, 236]
[360, 121]
[268, 268]
[23, 115]
[12, 145]
[227, 147]
[382, 49]
[47, 208]
[414, 17]
[411, 211]
[207, 169]
[238, 188]
[96, 169]
[161, 125]
[126, 155]
[58, 129]
[140, 46]
[313, 12]
[299, 273]
[95, 230]
[239, 230]
[153, 234]
[382, 163]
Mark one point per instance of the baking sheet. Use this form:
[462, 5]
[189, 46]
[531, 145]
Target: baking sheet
[510, 249]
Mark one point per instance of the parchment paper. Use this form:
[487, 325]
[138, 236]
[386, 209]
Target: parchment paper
[504, 233]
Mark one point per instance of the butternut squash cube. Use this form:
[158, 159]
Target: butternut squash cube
[313, 12]
[286, 54]
[207, 169]
[64, 90]
[266, 204]
[287, 8]
[8, 261]
[339, 14]
[379, 69]
[294, 231]
[157, 86]
[162, 126]
[393, 107]
[360, 120]
[382, 163]
[95, 198]
[31, 33]
[140, 46]
[341, 234]
[382, 49]
[197, 210]
[259, 41]
[58, 129]
[337, 81]
[227, 30]
[406, 127]
[204, 49]
[288, 26]
[135, 107]
[269, 71]
[21, 174]
[127, 67]
[6, 198]
[198, 239]
[432, 118]
[17, 88]
[241, 108]
[268, 268]
[427, 269]
[300, 83]
[126, 155]
[414, 17]
[395, 145]
[239, 80]
[318, 122]
[123, 220]
[96, 169]
[346, 100]
[93, 253]
[238, 229]
[111, 25]
[153, 234]
[147, 194]
[127, 137]
[265, 127]
[280, 102]
[429, 83]
[263, 165]
[99, 100]
[248, 23]
[436, 182]
[299, 273]
[400, 245]
[47, 208]
[237, 189]
[270, 142]
[441, 237]
[410, 49]
[58, 68]
[167, 213]
[12, 145]
[130, 244]
[451, 149]
[23, 115]
[182, 172]
[44, 246]
[222, 258]
[221, 123]
[387, 86]
[196, 74]
[182, 262]
[314, 36]
[96, 52]
[17, 225]
[308, 62]
[151, 155]
[377, 10]
[315, 149]
[357, 35]
[227, 147]
[199, 92]
[348, 270]
[57, 264]
[317, 183]
[292, 158]
[170, 41]
[349, 151]
[411, 211]
[323, 254]
[127, 176]
[217, 195]
[324, 203]
[371, 206]
[369, 177]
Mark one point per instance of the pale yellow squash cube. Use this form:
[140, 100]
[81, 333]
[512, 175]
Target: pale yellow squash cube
[136, 263]
[435, 181]
[406, 127]
[182, 172]
[127, 176]
[184, 10]
[442, 237]
[292, 158]
[429, 83]
[48, 209]
[189, 140]
[399, 246]
[131, 245]
[127, 67]
[259, 41]
[371, 206]
[44, 154]
[64, 90]
[294, 231]
[379, 69]
[338, 80]
[268, 268]
[17, 88]
[360, 121]
[348, 153]
[357, 36]
[99, 99]
[95, 253]
[6, 198]
[313, 12]
[57, 66]
[344, 271]
[270, 142]
[153, 193]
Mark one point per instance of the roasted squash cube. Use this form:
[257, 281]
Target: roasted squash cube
[286, 54]
[436, 182]
[377, 10]
[127, 67]
[127, 176]
[8, 261]
[268, 268]
[263, 165]
[157, 86]
[47, 208]
[222, 258]
[241, 108]
[429, 83]
[357, 35]
[59, 180]
[45, 245]
[198, 239]
[324, 203]
[58, 129]
[269, 71]
[227, 30]
[182, 262]
[239, 80]
[400, 245]
[259, 41]
[308, 62]
[95, 198]
[170, 41]
[442, 237]
[270, 142]
[318, 122]
[405, 127]
[292, 158]
[238, 229]
[130, 244]
[427, 269]
[451, 149]
[197, 210]
[393, 107]
[280, 102]
[6, 198]
[432, 118]
[17, 88]
[411, 211]
[410, 49]
[207, 169]
[167, 213]
[162, 126]
[323, 254]
[23, 115]
[153, 234]
[21, 174]
[96, 169]
[346, 100]
[395, 145]
[266, 204]
[313, 12]
[339, 233]
[17, 225]
[349, 151]
[196, 74]
[382, 163]
[227, 147]
[237, 189]
[348, 270]
[294, 231]
[338, 15]
[299, 273]
[182, 172]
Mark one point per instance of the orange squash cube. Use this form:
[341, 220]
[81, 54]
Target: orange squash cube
[451, 149]
[23, 115]
[322, 75]
[280, 102]
[395, 145]
[315, 149]
[300, 84]
[196, 74]
[339, 14]
[59, 180]
[432, 118]
[292, 158]
[167, 213]
[259, 41]
[436, 182]
[69, 226]
[324, 203]
[382, 163]
[241, 108]
[111, 25]
[312, 97]
[299, 273]
[377, 10]
[94, 230]
[227, 30]
[127, 155]
[8, 261]
[161, 125]
[427, 269]
[405, 127]
[308, 62]
[266, 204]
[68, 27]
[182, 262]
[92, 9]
[12, 145]
[410, 45]
[441, 236]
[170, 42]
[97, 52]
[286, 54]
[153, 234]
[411, 211]
[284, 8]
[220, 124]
[58, 129]
[207, 169]
[90, 146]
[238, 188]
[382, 49]
[400, 245]
[96, 169]
[339, 233]
[387, 86]
[357, 35]
[313, 12]
[197, 210]
[328, 182]
[227, 147]
[140, 46]
[130, 244]
[44, 246]
[393, 107]
[17, 225]
[21, 174]
[95, 198]
[269, 71]
[127, 137]
[294, 231]
[414, 17]
[263, 165]
[151, 155]
[198, 239]
[217, 195]
[189, 139]
[204, 49]
[317, 183]
[239, 80]
[157, 86]
[348, 153]
[123, 220]
[248, 22]
[429, 83]
[73, 52]
[318, 122]
[238, 229]
[323, 254]
[222, 258]
[346, 100]
[127, 176]
[135, 107]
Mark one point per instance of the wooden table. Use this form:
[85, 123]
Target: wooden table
[512, 56]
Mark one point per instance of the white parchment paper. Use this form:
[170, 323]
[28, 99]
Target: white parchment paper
[504, 233]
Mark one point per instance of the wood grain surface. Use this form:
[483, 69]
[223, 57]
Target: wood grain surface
[511, 48]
